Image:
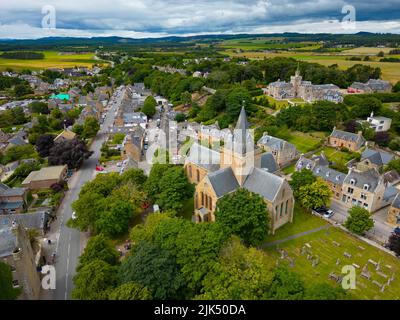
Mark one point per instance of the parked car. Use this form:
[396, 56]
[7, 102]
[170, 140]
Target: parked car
[73, 217]
[99, 168]
[324, 211]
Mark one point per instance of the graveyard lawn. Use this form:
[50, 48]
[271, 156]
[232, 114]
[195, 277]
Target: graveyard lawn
[322, 244]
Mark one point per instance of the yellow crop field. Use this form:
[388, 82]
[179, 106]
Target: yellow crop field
[52, 60]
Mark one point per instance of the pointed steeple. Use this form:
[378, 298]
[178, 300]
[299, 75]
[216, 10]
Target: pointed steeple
[242, 121]
[298, 69]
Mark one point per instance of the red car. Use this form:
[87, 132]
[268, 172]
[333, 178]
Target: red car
[99, 168]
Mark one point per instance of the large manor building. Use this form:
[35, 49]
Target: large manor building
[238, 164]
[297, 88]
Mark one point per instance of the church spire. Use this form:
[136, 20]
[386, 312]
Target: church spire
[242, 123]
[298, 69]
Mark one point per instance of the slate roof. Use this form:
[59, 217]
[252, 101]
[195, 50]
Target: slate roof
[223, 181]
[348, 136]
[6, 191]
[35, 220]
[390, 194]
[305, 163]
[47, 173]
[268, 162]
[396, 201]
[264, 183]
[204, 157]
[370, 177]
[17, 141]
[8, 241]
[329, 174]
[377, 157]
[275, 143]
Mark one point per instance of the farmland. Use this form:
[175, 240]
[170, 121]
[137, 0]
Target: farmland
[51, 59]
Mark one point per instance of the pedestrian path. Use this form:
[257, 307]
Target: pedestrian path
[294, 236]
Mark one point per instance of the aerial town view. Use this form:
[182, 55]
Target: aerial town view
[208, 150]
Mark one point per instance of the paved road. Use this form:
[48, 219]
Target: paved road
[381, 229]
[71, 242]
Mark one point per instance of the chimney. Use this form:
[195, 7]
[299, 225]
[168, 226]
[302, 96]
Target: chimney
[359, 133]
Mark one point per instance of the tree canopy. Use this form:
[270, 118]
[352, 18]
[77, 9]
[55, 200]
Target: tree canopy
[244, 214]
[359, 220]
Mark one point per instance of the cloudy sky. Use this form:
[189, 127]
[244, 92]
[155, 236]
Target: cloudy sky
[24, 19]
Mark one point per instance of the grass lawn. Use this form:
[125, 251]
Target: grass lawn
[337, 156]
[289, 169]
[302, 221]
[322, 245]
[52, 59]
[278, 103]
[305, 142]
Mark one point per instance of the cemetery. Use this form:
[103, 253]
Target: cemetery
[320, 256]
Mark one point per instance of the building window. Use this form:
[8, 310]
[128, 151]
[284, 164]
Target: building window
[202, 198]
[350, 190]
[206, 196]
[363, 196]
[198, 175]
[210, 203]
[280, 214]
[366, 205]
[190, 171]
[286, 206]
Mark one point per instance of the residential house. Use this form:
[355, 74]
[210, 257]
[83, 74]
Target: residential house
[132, 145]
[65, 135]
[374, 159]
[333, 178]
[16, 251]
[45, 177]
[239, 168]
[379, 124]
[344, 139]
[363, 188]
[12, 200]
[283, 151]
[393, 216]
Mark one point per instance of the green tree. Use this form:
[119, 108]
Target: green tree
[39, 107]
[130, 291]
[7, 292]
[359, 220]
[149, 106]
[314, 195]
[135, 176]
[93, 281]
[393, 165]
[244, 214]
[324, 291]
[240, 274]
[21, 90]
[154, 268]
[90, 128]
[301, 178]
[396, 87]
[235, 100]
[100, 248]
[286, 285]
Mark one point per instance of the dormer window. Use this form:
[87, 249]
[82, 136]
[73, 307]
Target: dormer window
[308, 166]
[318, 170]
[352, 182]
[337, 178]
[366, 186]
[328, 174]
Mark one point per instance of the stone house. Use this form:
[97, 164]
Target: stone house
[374, 159]
[12, 200]
[45, 177]
[16, 251]
[344, 139]
[283, 151]
[132, 145]
[393, 216]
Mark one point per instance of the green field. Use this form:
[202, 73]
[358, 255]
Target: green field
[52, 60]
[337, 156]
[306, 142]
[332, 259]
[390, 70]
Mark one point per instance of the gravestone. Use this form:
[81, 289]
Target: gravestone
[346, 254]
